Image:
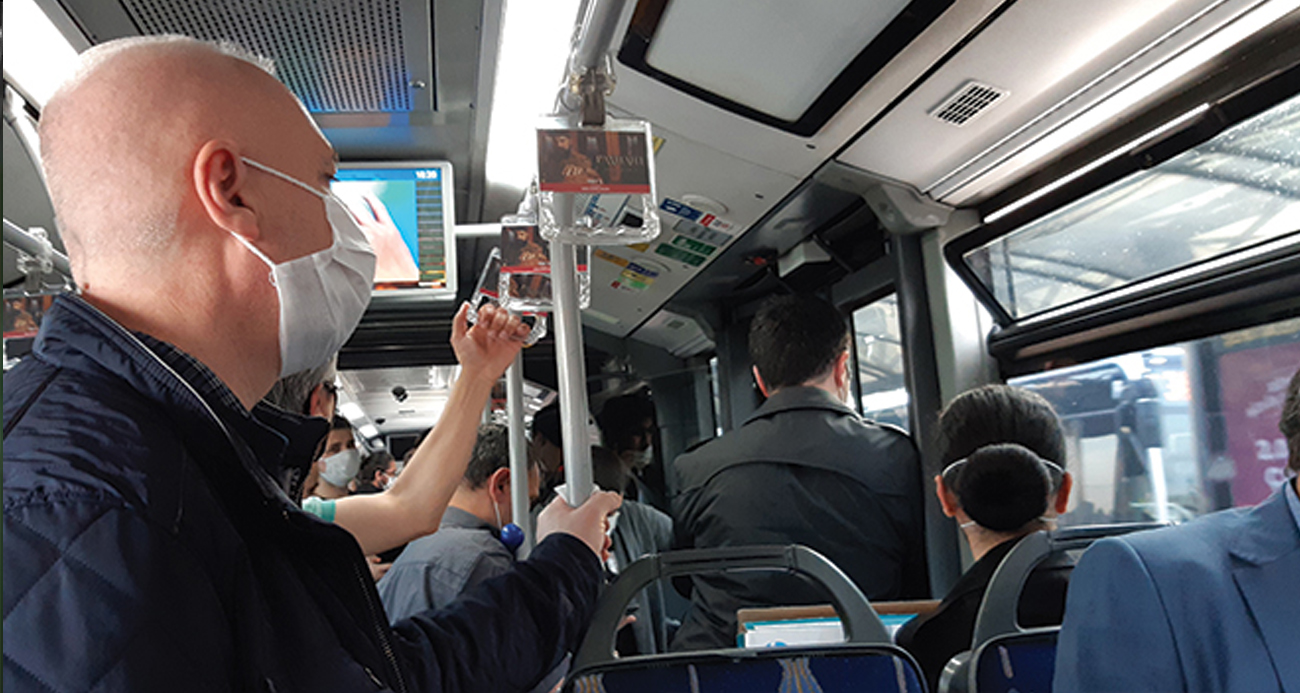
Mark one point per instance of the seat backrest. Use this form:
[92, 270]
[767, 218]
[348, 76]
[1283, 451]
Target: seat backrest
[997, 618]
[828, 668]
[868, 653]
[1022, 662]
[997, 614]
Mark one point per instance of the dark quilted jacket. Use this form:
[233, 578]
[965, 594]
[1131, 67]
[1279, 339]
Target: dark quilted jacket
[147, 549]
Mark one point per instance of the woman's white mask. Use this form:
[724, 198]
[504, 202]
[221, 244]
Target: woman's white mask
[324, 294]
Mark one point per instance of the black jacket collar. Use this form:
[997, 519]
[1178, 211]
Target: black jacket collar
[802, 397]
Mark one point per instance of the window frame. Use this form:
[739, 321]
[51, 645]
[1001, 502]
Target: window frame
[849, 310]
[1244, 287]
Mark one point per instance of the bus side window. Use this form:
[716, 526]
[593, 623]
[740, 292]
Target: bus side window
[879, 348]
[1177, 431]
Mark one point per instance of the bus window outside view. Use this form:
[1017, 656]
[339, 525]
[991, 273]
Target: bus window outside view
[881, 383]
[1174, 432]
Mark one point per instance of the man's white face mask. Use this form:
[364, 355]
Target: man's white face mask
[643, 458]
[322, 295]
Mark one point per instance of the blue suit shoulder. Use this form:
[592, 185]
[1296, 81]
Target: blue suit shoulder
[1207, 605]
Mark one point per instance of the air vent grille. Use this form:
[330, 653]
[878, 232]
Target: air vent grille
[968, 103]
[336, 56]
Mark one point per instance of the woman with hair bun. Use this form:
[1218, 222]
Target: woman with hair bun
[1003, 478]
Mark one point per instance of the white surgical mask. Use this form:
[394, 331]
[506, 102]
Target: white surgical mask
[322, 295]
[643, 458]
[340, 468]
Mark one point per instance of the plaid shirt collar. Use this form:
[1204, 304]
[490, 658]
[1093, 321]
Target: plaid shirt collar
[199, 376]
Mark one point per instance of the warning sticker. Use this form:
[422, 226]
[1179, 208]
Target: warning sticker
[701, 233]
[679, 254]
[694, 245]
[691, 214]
[635, 277]
[602, 254]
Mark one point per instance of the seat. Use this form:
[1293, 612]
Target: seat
[868, 661]
[1005, 657]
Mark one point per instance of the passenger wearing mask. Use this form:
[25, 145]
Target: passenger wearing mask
[1210, 605]
[311, 393]
[378, 472]
[627, 425]
[1004, 478]
[475, 542]
[148, 545]
[339, 465]
[804, 468]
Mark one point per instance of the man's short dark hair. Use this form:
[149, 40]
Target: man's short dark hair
[1290, 423]
[374, 462]
[340, 424]
[546, 422]
[795, 339]
[623, 418]
[491, 452]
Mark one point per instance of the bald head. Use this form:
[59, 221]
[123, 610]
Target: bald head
[118, 141]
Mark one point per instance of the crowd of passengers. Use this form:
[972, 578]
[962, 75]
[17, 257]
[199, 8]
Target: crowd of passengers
[184, 510]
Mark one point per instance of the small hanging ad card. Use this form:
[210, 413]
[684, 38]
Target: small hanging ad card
[612, 159]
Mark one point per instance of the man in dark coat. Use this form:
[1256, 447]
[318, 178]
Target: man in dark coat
[803, 469]
[147, 545]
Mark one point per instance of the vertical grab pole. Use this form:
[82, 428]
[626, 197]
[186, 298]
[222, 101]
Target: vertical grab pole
[519, 499]
[572, 369]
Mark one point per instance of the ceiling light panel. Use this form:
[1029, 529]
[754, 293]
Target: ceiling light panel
[773, 56]
[36, 55]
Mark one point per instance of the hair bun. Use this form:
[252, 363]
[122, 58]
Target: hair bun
[1003, 486]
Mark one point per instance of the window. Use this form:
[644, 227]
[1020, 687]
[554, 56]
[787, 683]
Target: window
[1176, 431]
[880, 362]
[1239, 190]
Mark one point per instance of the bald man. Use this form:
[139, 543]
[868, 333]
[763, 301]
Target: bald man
[147, 546]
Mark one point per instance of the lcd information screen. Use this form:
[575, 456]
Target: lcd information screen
[405, 209]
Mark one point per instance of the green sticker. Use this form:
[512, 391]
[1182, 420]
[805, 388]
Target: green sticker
[693, 245]
[678, 254]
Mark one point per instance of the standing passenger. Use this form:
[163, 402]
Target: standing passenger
[468, 547]
[803, 469]
[627, 425]
[1003, 451]
[1211, 605]
[147, 543]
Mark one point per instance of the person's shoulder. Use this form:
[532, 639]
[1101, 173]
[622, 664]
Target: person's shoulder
[84, 435]
[884, 435]
[1191, 554]
[1205, 538]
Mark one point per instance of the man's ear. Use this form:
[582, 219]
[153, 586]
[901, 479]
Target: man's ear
[842, 370]
[317, 403]
[219, 179]
[762, 386]
[499, 485]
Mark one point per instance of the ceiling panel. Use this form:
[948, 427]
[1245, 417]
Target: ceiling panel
[1053, 60]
